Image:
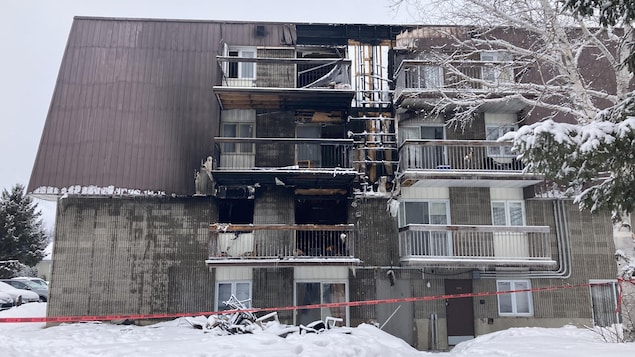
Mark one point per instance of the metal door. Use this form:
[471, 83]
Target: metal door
[396, 319]
[459, 311]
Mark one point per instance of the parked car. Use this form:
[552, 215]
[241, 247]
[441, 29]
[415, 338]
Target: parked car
[27, 284]
[19, 296]
[36, 284]
[6, 301]
[39, 281]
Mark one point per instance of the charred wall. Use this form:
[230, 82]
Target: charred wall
[376, 242]
[278, 124]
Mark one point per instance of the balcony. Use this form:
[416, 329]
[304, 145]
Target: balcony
[284, 83]
[422, 83]
[475, 246]
[469, 163]
[279, 244]
[302, 163]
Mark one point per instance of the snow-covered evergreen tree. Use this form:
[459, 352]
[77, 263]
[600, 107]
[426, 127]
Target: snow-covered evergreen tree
[22, 237]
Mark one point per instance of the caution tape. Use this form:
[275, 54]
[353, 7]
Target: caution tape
[61, 319]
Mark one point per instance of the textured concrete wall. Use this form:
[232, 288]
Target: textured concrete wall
[592, 258]
[470, 205]
[376, 242]
[275, 125]
[274, 287]
[277, 75]
[131, 255]
[274, 205]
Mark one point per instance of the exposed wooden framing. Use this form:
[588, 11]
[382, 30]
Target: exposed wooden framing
[320, 191]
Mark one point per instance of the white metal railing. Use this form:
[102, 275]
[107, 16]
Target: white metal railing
[463, 74]
[463, 155]
[483, 243]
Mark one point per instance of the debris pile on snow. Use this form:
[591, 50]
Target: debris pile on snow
[244, 322]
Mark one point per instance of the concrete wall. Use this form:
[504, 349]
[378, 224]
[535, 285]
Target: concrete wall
[376, 241]
[592, 258]
[275, 125]
[139, 255]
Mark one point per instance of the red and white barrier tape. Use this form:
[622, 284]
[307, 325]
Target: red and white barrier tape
[286, 308]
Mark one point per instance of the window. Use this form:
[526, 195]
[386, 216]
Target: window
[427, 243]
[238, 130]
[493, 133]
[240, 289]
[246, 70]
[500, 72]
[604, 303]
[308, 293]
[423, 212]
[424, 76]
[508, 213]
[514, 304]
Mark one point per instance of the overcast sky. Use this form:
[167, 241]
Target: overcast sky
[33, 35]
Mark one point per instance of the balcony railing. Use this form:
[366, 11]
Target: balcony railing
[254, 244]
[461, 155]
[237, 153]
[475, 245]
[428, 75]
[286, 72]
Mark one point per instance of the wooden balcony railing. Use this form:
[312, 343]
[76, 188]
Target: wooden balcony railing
[475, 245]
[254, 244]
[461, 155]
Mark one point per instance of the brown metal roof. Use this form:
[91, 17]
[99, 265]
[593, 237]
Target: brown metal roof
[133, 105]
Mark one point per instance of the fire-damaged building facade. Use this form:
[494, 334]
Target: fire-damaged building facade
[290, 164]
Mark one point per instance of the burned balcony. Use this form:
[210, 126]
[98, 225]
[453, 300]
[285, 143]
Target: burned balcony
[487, 161]
[307, 153]
[281, 244]
[475, 246]
[284, 83]
[422, 83]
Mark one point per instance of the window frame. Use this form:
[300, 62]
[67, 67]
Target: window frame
[240, 68]
[322, 283]
[496, 73]
[514, 298]
[234, 283]
[403, 213]
[425, 76]
[508, 215]
[499, 130]
[238, 148]
[615, 292]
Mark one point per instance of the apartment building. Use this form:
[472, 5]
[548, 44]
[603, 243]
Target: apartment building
[291, 164]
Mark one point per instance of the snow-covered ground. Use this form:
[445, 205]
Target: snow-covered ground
[178, 338]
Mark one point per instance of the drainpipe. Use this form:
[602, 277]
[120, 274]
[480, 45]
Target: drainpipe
[564, 251]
